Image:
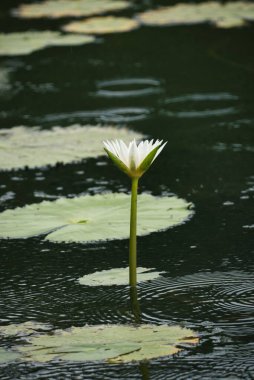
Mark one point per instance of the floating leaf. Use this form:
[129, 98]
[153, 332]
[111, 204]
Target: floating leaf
[28, 42]
[115, 343]
[7, 356]
[92, 218]
[102, 25]
[35, 147]
[23, 329]
[66, 8]
[117, 276]
[226, 15]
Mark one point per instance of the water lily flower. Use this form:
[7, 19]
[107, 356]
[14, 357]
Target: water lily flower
[134, 160]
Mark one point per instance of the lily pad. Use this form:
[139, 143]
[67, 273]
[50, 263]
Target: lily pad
[92, 218]
[23, 329]
[66, 8]
[102, 25]
[117, 276]
[225, 15]
[7, 356]
[35, 147]
[27, 42]
[114, 343]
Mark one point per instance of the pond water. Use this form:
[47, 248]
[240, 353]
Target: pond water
[192, 86]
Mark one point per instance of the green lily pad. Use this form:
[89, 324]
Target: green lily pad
[35, 147]
[224, 15]
[117, 276]
[66, 8]
[92, 218]
[8, 356]
[114, 343]
[27, 42]
[23, 329]
[102, 25]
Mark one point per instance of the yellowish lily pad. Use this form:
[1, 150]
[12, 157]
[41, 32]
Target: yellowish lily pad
[23, 329]
[22, 43]
[67, 8]
[113, 343]
[35, 147]
[225, 15]
[92, 218]
[102, 25]
[117, 276]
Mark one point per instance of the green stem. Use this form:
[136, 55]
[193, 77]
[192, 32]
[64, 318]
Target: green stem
[135, 305]
[133, 234]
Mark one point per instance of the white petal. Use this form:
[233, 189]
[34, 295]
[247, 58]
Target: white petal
[159, 150]
[124, 153]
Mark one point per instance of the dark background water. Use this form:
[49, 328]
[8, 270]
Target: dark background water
[192, 86]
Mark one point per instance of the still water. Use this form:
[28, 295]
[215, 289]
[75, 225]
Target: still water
[192, 86]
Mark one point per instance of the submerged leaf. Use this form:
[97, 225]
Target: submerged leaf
[226, 15]
[67, 8]
[102, 25]
[21, 43]
[4, 80]
[115, 343]
[8, 356]
[35, 147]
[106, 215]
[117, 276]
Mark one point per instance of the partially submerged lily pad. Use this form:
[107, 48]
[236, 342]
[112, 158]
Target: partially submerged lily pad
[8, 356]
[102, 25]
[35, 147]
[113, 343]
[67, 8]
[225, 15]
[92, 218]
[117, 276]
[4, 79]
[23, 329]
[27, 42]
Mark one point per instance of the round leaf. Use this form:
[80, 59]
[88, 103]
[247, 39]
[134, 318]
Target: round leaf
[102, 25]
[63, 8]
[21, 43]
[115, 343]
[117, 276]
[92, 218]
[226, 15]
[35, 147]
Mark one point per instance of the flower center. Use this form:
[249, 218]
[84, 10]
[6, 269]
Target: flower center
[78, 221]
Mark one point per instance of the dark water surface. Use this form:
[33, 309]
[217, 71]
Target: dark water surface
[192, 86]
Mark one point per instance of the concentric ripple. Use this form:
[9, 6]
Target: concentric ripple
[226, 297]
[130, 87]
[198, 105]
[114, 115]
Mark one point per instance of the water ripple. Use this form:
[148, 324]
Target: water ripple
[214, 97]
[199, 105]
[226, 297]
[200, 114]
[131, 87]
[114, 115]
